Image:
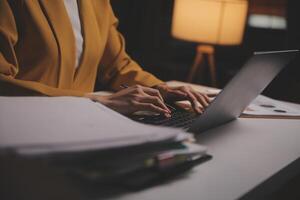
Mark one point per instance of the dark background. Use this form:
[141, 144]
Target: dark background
[146, 26]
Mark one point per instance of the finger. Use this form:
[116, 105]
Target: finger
[194, 102]
[172, 95]
[156, 101]
[203, 101]
[152, 92]
[207, 98]
[150, 107]
[179, 94]
[212, 94]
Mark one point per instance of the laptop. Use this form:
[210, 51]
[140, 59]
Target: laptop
[228, 105]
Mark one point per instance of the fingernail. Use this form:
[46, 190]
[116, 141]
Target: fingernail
[167, 111]
[199, 110]
[167, 115]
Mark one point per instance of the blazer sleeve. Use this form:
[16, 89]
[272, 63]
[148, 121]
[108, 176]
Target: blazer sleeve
[117, 67]
[9, 66]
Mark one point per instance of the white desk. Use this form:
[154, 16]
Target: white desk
[246, 153]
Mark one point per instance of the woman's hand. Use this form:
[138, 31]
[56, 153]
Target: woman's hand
[132, 99]
[198, 100]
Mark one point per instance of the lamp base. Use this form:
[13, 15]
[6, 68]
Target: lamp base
[204, 52]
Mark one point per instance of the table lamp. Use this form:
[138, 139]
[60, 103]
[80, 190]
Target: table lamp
[209, 22]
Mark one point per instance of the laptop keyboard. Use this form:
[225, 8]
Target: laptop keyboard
[179, 118]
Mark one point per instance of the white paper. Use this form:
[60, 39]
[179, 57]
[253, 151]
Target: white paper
[49, 124]
[263, 105]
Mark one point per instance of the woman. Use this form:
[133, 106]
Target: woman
[60, 47]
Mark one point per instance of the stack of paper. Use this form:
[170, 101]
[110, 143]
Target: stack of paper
[87, 136]
[47, 125]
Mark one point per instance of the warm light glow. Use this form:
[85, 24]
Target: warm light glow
[210, 21]
[267, 21]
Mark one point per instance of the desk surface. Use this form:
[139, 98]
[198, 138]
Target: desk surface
[246, 153]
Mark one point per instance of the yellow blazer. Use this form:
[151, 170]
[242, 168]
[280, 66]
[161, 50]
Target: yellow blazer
[37, 49]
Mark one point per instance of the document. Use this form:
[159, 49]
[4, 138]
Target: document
[264, 106]
[39, 125]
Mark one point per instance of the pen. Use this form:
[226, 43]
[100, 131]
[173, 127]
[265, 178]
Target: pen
[123, 86]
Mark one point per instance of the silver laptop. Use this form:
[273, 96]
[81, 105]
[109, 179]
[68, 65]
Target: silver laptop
[228, 105]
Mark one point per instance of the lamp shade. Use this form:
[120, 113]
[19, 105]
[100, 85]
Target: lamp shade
[219, 22]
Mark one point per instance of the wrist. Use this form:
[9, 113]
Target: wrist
[98, 98]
